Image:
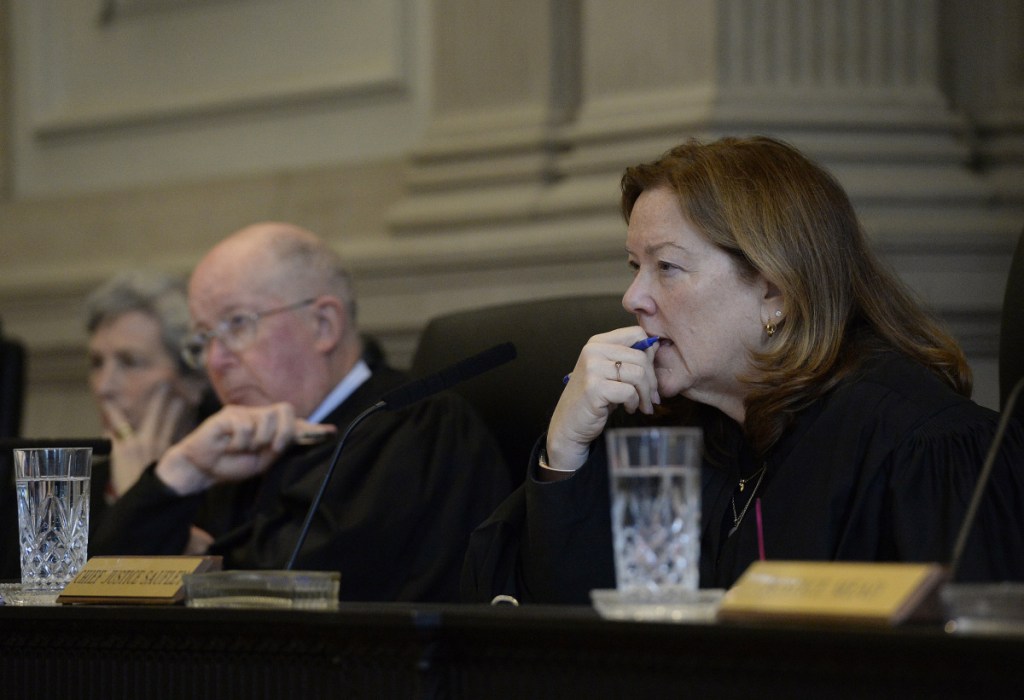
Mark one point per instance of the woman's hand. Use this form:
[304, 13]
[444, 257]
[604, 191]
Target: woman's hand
[608, 373]
[135, 448]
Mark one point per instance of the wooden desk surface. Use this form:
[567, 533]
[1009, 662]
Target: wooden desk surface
[428, 651]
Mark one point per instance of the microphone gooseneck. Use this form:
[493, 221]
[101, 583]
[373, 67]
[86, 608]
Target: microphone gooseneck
[468, 368]
[400, 397]
[315, 505]
[983, 477]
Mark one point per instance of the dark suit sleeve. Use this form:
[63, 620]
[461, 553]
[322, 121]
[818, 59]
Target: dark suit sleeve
[148, 519]
[548, 543]
[934, 476]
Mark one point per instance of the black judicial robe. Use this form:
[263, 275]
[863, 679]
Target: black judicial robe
[408, 490]
[881, 468]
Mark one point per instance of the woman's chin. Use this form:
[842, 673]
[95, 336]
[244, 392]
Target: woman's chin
[667, 388]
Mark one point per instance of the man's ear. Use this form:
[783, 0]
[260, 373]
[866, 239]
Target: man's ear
[331, 320]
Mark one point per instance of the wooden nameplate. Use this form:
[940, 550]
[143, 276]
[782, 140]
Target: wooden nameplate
[879, 594]
[135, 580]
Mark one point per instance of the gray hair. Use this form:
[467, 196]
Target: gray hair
[318, 266]
[158, 295]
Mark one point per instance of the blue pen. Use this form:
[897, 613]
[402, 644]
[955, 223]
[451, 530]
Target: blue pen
[645, 343]
[638, 345]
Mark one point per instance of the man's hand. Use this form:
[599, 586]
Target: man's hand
[199, 541]
[234, 444]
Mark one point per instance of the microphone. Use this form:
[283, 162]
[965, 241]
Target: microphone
[983, 477]
[468, 368]
[398, 398]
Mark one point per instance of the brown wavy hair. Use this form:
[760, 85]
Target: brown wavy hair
[777, 213]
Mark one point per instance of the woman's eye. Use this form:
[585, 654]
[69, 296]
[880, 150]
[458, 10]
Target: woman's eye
[131, 361]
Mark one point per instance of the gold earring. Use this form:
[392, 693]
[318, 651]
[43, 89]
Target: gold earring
[769, 328]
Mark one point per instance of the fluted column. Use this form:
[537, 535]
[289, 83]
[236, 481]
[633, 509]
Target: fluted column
[859, 71]
[842, 61]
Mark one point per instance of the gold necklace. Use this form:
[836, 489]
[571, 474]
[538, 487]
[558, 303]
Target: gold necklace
[737, 518]
[743, 482]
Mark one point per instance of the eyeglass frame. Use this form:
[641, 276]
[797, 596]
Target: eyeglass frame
[220, 331]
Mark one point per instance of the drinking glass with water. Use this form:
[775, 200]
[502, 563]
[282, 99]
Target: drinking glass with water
[654, 477]
[53, 514]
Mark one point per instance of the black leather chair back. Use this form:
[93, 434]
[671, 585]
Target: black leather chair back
[1011, 333]
[516, 400]
[12, 385]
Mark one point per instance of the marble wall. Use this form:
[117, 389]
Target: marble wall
[466, 152]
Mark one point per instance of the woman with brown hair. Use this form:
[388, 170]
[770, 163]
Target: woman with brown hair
[818, 379]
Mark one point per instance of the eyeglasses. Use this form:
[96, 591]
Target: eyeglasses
[236, 333]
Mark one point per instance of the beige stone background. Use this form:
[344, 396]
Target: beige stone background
[467, 152]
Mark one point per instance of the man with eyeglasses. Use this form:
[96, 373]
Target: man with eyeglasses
[274, 320]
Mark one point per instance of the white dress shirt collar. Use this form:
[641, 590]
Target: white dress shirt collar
[352, 381]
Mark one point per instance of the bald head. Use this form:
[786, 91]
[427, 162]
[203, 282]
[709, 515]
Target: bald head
[278, 258]
[301, 350]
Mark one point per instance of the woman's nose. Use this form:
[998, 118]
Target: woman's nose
[636, 299]
[106, 379]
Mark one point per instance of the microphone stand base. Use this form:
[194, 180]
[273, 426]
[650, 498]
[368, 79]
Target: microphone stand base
[984, 608]
[282, 589]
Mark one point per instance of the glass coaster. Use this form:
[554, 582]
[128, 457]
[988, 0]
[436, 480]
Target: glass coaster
[305, 590]
[12, 594]
[984, 608]
[665, 605]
